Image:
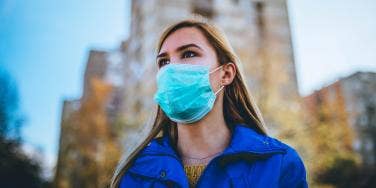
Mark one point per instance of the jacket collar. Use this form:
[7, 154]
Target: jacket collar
[153, 161]
[243, 139]
[246, 140]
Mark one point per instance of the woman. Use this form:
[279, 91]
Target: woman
[213, 133]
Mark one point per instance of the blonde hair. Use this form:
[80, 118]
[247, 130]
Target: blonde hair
[238, 106]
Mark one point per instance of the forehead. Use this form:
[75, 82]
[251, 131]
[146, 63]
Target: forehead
[182, 37]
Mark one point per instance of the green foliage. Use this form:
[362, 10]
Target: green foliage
[345, 172]
[10, 119]
[16, 169]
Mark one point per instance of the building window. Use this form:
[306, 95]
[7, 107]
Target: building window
[259, 6]
[203, 8]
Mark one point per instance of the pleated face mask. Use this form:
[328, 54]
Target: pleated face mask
[184, 92]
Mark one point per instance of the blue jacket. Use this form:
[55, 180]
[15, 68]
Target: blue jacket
[250, 160]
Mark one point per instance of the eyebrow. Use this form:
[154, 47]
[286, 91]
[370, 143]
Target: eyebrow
[181, 48]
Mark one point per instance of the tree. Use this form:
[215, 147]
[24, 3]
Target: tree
[331, 139]
[16, 168]
[10, 120]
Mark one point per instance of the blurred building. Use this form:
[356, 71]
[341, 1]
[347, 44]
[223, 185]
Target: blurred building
[101, 65]
[65, 153]
[355, 99]
[259, 32]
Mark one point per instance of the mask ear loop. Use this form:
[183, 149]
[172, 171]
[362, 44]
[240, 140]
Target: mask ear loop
[219, 90]
[215, 69]
[221, 84]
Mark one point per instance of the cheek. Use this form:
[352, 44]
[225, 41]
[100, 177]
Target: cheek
[215, 77]
[199, 61]
[215, 80]
[212, 62]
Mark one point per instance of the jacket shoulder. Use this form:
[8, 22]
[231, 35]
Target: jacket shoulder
[293, 171]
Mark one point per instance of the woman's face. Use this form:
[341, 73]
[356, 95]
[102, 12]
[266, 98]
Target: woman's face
[189, 46]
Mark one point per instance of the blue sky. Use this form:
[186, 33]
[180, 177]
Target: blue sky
[44, 45]
[332, 39]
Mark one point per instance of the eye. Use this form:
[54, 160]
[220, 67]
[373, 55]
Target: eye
[163, 62]
[188, 54]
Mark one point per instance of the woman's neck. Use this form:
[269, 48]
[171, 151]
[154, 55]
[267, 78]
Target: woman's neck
[206, 137]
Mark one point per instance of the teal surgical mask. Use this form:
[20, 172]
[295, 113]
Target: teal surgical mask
[184, 92]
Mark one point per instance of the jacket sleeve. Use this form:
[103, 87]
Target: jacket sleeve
[293, 172]
[128, 180]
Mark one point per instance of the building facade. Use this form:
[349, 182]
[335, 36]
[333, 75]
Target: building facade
[352, 101]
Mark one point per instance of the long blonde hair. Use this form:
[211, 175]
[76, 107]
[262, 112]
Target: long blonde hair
[238, 106]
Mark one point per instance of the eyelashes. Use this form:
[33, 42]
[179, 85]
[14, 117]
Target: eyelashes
[186, 54]
[162, 62]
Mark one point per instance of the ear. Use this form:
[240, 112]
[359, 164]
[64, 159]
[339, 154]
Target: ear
[228, 73]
